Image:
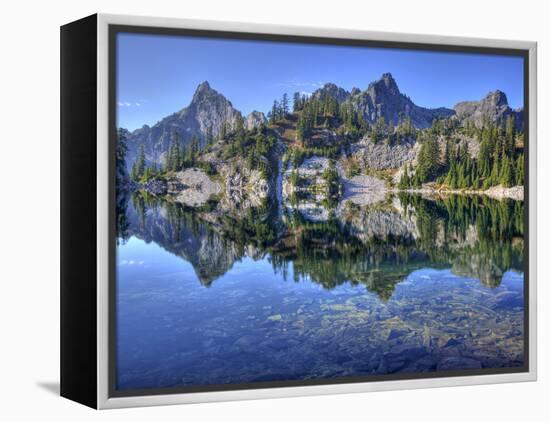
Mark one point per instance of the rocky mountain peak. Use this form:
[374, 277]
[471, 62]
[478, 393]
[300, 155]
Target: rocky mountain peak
[493, 107]
[203, 87]
[386, 85]
[204, 117]
[203, 92]
[388, 80]
[382, 99]
[496, 98]
[208, 111]
[333, 91]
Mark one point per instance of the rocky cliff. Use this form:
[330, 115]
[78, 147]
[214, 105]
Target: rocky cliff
[207, 113]
[332, 91]
[492, 108]
[254, 119]
[384, 156]
[382, 99]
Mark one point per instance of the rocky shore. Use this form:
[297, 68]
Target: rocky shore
[498, 192]
[364, 190]
[193, 187]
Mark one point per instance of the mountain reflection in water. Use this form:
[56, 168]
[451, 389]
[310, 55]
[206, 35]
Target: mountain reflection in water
[408, 285]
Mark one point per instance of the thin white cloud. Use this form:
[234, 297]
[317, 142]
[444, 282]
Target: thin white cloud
[294, 83]
[131, 104]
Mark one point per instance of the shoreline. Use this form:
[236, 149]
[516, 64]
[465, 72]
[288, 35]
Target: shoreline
[362, 189]
[497, 192]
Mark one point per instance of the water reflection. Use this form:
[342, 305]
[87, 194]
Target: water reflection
[410, 284]
[376, 246]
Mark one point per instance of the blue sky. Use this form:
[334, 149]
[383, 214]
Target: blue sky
[158, 74]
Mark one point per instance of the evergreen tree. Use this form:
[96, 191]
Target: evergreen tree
[284, 106]
[140, 162]
[494, 177]
[138, 167]
[405, 180]
[510, 135]
[447, 156]
[507, 177]
[274, 117]
[133, 173]
[174, 156]
[520, 172]
[484, 159]
[121, 149]
[428, 163]
[296, 102]
[303, 127]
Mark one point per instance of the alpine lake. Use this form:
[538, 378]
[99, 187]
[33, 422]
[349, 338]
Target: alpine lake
[406, 286]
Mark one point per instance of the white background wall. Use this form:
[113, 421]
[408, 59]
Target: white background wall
[29, 236]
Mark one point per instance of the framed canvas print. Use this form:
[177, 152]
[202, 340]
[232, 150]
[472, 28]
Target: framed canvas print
[254, 211]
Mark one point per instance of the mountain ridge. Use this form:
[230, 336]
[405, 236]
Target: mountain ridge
[209, 114]
[494, 107]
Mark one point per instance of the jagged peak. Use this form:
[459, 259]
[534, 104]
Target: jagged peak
[387, 77]
[386, 82]
[332, 90]
[204, 85]
[205, 96]
[203, 89]
[498, 97]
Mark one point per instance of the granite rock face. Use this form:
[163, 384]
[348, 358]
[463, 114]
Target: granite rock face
[254, 119]
[384, 156]
[332, 91]
[382, 99]
[207, 112]
[493, 108]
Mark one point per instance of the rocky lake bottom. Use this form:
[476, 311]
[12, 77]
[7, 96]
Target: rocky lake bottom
[255, 324]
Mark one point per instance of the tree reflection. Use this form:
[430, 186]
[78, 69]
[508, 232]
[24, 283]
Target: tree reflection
[375, 247]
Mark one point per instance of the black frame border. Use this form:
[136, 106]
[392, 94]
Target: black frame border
[78, 211]
[115, 29]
